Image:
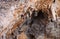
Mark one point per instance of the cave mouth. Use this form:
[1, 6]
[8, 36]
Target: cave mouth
[40, 15]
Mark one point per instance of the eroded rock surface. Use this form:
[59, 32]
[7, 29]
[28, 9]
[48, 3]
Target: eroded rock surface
[29, 19]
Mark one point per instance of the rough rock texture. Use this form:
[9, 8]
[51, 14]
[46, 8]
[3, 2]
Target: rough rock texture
[29, 19]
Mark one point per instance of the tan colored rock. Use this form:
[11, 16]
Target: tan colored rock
[22, 36]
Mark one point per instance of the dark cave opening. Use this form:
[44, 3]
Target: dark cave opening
[40, 15]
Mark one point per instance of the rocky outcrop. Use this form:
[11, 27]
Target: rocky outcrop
[33, 19]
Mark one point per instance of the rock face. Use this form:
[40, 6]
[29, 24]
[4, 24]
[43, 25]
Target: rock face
[29, 19]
